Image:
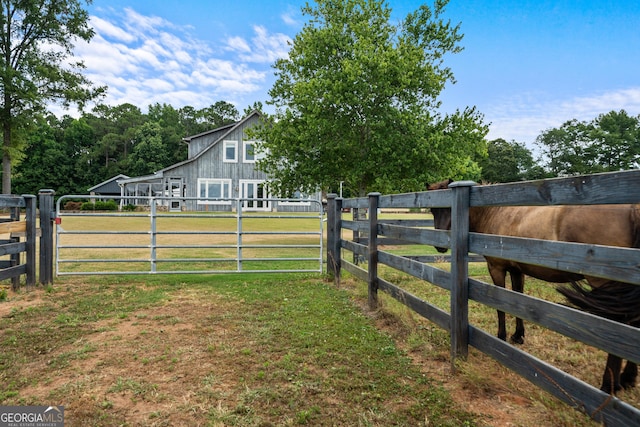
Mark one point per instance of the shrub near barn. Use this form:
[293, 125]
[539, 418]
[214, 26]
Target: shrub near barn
[99, 205]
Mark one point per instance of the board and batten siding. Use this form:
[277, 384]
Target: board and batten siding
[206, 161]
[210, 162]
[199, 143]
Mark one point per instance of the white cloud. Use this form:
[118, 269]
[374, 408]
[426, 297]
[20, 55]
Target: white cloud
[238, 44]
[147, 59]
[292, 17]
[288, 19]
[524, 118]
[158, 85]
[264, 47]
[106, 28]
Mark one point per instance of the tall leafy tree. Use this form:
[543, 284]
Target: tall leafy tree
[356, 102]
[219, 114]
[189, 118]
[44, 148]
[37, 66]
[256, 106]
[172, 130]
[509, 161]
[149, 154]
[616, 138]
[610, 142]
[118, 124]
[567, 149]
[80, 140]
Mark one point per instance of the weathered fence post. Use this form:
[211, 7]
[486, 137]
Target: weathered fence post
[334, 228]
[460, 270]
[47, 216]
[372, 259]
[14, 258]
[30, 238]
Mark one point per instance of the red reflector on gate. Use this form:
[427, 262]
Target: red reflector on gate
[58, 221]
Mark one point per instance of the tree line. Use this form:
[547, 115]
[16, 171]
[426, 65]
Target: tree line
[356, 102]
[70, 155]
[610, 142]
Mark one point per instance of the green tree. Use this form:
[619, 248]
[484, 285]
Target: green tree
[567, 150]
[616, 141]
[219, 114]
[172, 130]
[36, 66]
[356, 102]
[148, 154]
[118, 125]
[256, 106]
[610, 142]
[43, 149]
[189, 118]
[80, 141]
[508, 162]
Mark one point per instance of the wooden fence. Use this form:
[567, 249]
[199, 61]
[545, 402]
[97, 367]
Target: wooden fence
[22, 237]
[621, 264]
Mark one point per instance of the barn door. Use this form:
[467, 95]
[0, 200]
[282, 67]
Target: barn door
[254, 195]
[175, 193]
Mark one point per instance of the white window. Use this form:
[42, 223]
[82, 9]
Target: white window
[230, 151]
[214, 189]
[249, 152]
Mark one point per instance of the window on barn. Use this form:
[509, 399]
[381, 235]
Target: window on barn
[230, 151]
[214, 189]
[249, 154]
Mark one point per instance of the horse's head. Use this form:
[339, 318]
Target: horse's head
[441, 221]
[441, 216]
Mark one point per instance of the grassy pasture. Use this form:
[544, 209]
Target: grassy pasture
[222, 350]
[579, 360]
[196, 243]
[279, 349]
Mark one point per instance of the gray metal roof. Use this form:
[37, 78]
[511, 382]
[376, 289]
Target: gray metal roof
[109, 186]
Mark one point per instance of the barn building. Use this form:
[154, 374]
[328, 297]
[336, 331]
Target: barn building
[221, 167]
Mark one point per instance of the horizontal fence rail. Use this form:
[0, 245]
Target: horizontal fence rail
[621, 264]
[157, 241]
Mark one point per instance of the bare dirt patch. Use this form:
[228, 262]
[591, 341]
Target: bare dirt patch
[148, 368]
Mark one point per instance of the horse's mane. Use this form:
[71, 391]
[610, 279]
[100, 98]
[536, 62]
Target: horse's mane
[440, 185]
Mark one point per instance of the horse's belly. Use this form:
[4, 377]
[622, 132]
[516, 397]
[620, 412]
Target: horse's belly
[549, 275]
[541, 273]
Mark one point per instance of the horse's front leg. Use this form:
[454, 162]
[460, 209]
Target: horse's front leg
[498, 277]
[517, 285]
[611, 376]
[629, 375]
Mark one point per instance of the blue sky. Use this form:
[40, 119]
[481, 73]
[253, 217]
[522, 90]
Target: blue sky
[526, 65]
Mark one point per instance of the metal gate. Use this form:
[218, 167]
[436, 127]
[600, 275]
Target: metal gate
[98, 237]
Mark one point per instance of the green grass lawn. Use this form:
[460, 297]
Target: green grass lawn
[241, 350]
[289, 349]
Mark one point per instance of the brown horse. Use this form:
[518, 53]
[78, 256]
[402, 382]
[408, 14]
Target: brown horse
[580, 224]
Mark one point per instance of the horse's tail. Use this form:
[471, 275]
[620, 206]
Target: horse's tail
[612, 300]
